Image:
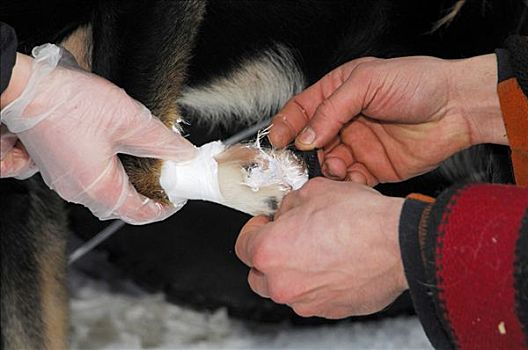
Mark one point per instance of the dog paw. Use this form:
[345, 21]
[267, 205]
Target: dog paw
[255, 180]
[245, 177]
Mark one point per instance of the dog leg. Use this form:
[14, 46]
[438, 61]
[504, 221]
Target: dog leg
[255, 180]
[157, 83]
[245, 177]
[79, 44]
[34, 304]
[152, 72]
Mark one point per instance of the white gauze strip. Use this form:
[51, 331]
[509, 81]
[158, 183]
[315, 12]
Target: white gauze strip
[194, 179]
[275, 168]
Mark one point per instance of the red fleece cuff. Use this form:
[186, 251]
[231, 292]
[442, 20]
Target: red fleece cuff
[475, 264]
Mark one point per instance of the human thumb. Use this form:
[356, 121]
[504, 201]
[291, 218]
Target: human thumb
[332, 114]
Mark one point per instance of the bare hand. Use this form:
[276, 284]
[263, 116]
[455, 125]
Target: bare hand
[332, 250]
[388, 120]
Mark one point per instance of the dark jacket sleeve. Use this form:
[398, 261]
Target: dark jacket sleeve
[8, 46]
[466, 261]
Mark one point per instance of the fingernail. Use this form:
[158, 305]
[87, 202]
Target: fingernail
[307, 136]
[155, 207]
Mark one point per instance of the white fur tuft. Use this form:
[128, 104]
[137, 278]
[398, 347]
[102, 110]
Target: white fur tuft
[251, 92]
[450, 16]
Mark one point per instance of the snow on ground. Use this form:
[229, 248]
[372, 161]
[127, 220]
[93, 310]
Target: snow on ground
[105, 319]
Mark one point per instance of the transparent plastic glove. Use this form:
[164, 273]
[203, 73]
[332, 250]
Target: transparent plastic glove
[14, 160]
[73, 123]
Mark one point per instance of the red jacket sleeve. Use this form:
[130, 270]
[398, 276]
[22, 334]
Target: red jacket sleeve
[466, 261]
[466, 254]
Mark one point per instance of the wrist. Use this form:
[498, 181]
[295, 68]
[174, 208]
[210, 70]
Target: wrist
[474, 93]
[19, 79]
[393, 212]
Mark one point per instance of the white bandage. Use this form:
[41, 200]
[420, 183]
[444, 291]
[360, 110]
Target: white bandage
[194, 179]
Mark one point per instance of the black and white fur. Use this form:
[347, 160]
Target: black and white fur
[220, 65]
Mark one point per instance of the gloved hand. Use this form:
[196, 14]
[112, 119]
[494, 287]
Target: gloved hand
[73, 123]
[14, 160]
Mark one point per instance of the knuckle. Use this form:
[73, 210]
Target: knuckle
[336, 77]
[328, 118]
[304, 191]
[239, 251]
[263, 256]
[367, 59]
[365, 71]
[288, 199]
[280, 294]
[304, 310]
[252, 280]
[299, 106]
[317, 182]
[326, 109]
[311, 186]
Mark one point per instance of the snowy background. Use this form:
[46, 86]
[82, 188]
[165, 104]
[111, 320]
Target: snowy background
[106, 317]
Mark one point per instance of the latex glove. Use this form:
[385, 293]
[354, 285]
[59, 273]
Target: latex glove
[332, 250]
[14, 160]
[73, 123]
[388, 120]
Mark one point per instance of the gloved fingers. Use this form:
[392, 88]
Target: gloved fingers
[138, 209]
[27, 172]
[14, 159]
[147, 136]
[30, 167]
[17, 163]
[111, 196]
[7, 141]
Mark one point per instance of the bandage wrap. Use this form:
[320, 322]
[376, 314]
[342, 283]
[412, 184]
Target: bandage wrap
[245, 181]
[194, 179]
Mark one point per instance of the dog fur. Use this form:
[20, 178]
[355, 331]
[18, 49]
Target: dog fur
[220, 64]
